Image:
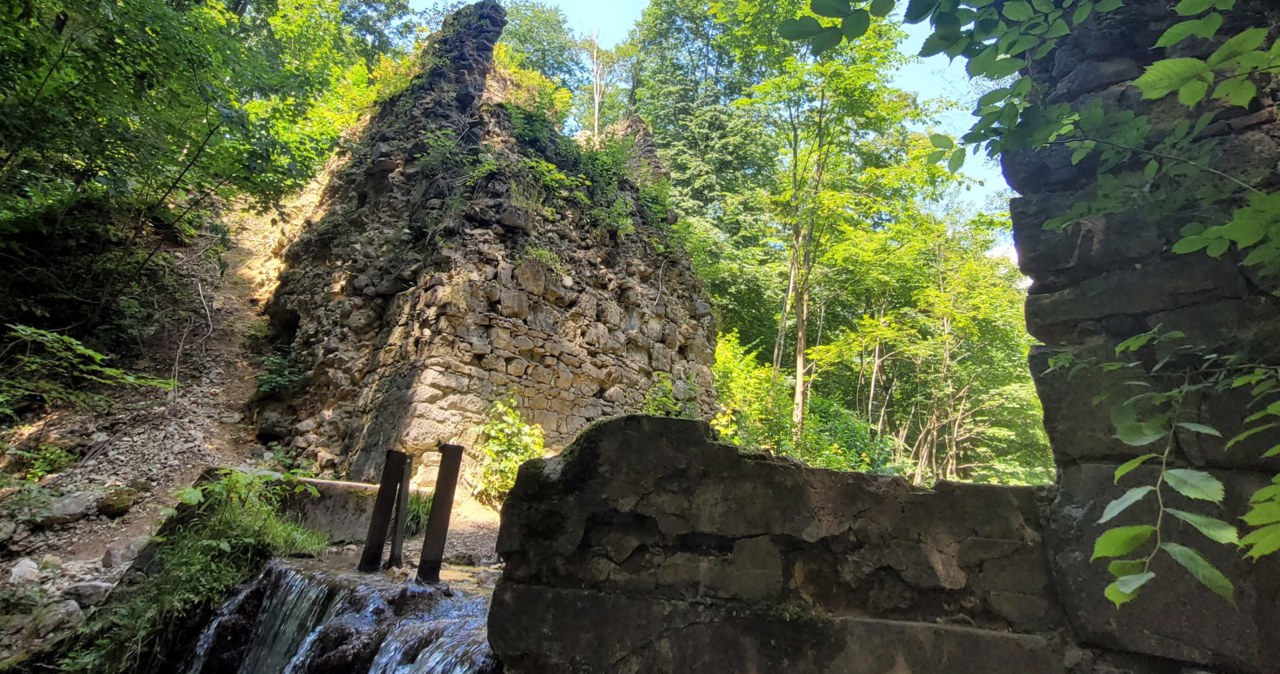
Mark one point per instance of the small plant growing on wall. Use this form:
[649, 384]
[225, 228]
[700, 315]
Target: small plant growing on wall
[507, 441]
[661, 400]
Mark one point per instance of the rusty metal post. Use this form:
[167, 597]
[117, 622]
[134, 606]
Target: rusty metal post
[441, 509]
[396, 560]
[392, 469]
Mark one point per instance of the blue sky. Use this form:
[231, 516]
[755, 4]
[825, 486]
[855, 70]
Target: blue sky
[930, 78]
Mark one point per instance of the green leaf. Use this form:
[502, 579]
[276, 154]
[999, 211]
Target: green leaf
[1005, 67]
[1121, 541]
[1201, 569]
[1190, 244]
[1193, 7]
[835, 9]
[1263, 542]
[1017, 10]
[1121, 504]
[1152, 169]
[1268, 493]
[881, 8]
[800, 29]
[1263, 514]
[1214, 529]
[826, 40]
[1132, 465]
[1126, 567]
[190, 496]
[957, 160]
[1237, 91]
[1200, 428]
[1193, 92]
[1195, 484]
[1058, 29]
[856, 24]
[1250, 433]
[1139, 435]
[1237, 46]
[1082, 12]
[919, 10]
[941, 141]
[1108, 5]
[1204, 27]
[1125, 588]
[1164, 77]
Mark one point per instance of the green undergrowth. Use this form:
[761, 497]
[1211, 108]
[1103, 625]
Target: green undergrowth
[417, 513]
[507, 441]
[223, 533]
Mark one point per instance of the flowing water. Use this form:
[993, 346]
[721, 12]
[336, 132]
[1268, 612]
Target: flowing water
[307, 618]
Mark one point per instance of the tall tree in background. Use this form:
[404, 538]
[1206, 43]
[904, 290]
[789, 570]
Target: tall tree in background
[818, 112]
[538, 33]
[810, 208]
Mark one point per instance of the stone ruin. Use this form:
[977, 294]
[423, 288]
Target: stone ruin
[648, 547]
[418, 293]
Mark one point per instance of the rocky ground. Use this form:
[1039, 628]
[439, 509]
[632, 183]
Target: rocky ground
[64, 546]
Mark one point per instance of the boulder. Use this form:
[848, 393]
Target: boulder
[24, 572]
[118, 501]
[69, 508]
[89, 593]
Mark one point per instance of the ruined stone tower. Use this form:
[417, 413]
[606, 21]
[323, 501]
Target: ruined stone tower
[449, 264]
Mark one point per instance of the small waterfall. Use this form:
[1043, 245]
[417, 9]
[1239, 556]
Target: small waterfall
[455, 644]
[301, 619]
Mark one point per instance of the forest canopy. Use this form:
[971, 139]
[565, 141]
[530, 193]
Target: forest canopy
[866, 323]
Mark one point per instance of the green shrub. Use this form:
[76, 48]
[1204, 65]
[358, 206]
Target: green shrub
[840, 439]
[44, 460]
[507, 441]
[228, 529]
[280, 373]
[415, 521]
[660, 400]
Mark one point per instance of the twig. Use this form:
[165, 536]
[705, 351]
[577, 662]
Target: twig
[1162, 155]
[207, 315]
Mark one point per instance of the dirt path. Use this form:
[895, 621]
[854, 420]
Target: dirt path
[160, 441]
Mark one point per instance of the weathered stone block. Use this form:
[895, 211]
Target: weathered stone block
[650, 505]
[1057, 317]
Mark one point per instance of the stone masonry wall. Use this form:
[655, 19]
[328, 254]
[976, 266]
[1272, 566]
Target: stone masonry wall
[648, 547]
[412, 303]
[1114, 276]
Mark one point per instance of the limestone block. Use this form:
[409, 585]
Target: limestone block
[1056, 318]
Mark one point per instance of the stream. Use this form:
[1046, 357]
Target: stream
[321, 617]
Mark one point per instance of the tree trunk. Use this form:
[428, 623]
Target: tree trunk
[800, 399]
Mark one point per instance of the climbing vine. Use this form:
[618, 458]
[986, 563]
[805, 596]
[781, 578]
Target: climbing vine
[1134, 154]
